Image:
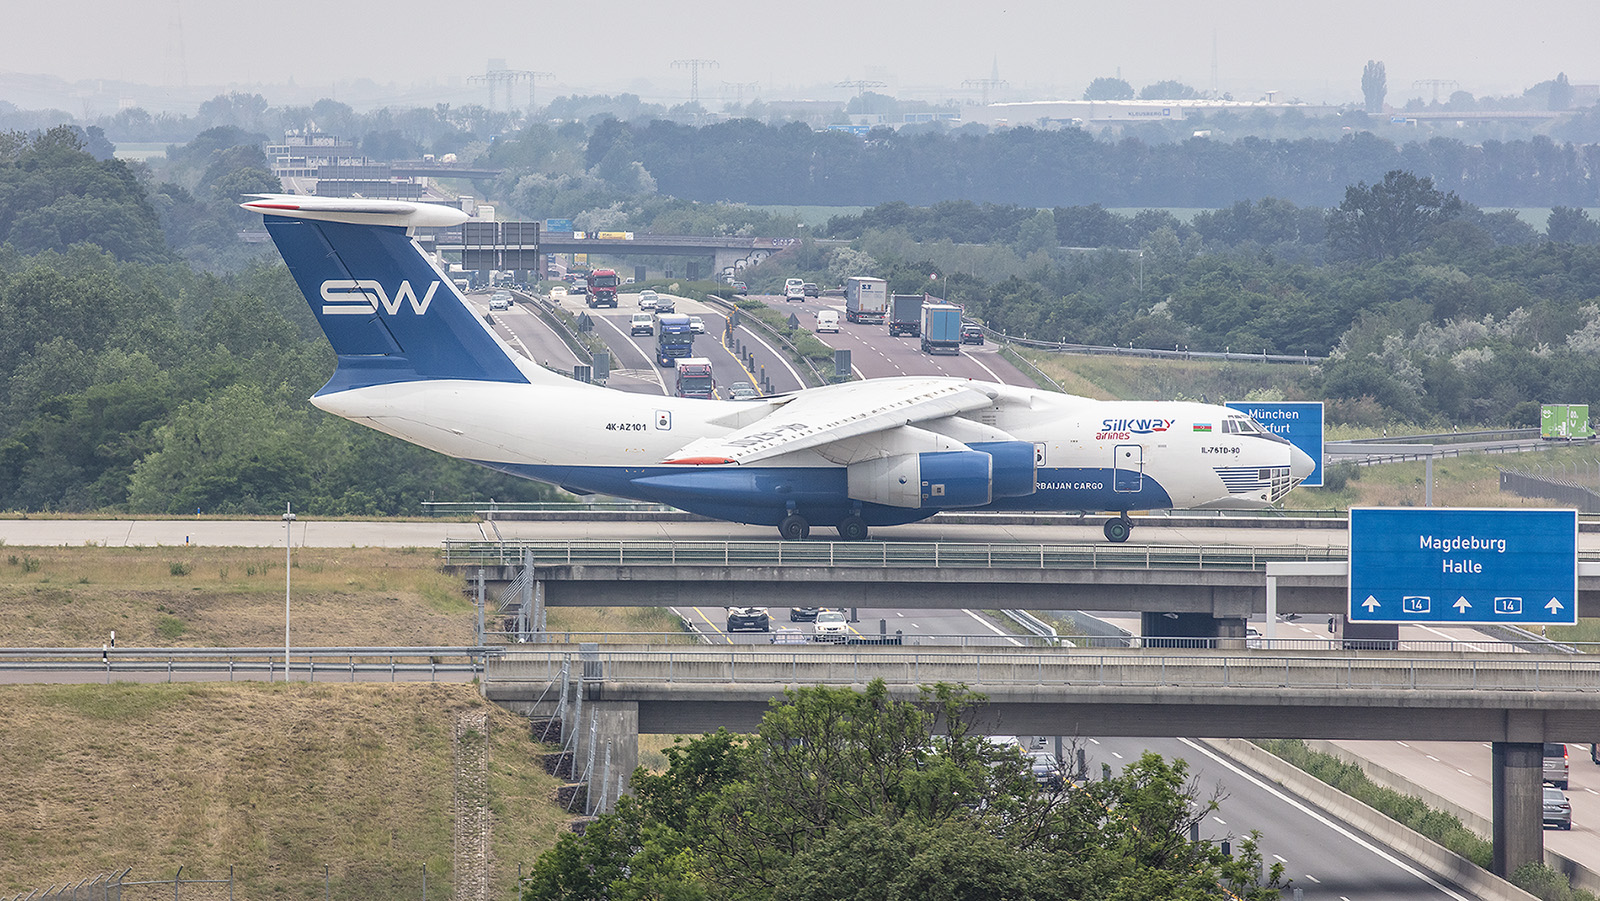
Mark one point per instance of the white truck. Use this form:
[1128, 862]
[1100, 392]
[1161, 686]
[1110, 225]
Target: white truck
[866, 299]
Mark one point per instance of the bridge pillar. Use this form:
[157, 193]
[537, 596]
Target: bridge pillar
[1518, 790]
[598, 727]
[1169, 630]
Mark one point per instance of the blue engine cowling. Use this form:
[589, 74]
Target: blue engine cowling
[956, 479]
[1014, 468]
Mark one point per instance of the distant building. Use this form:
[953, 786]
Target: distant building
[1102, 113]
[311, 161]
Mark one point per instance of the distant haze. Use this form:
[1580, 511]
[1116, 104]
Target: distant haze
[924, 49]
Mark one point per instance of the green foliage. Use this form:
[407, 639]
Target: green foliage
[855, 795]
[1443, 828]
[1374, 85]
[1548, 885]
[1108, 89]
[1387, 219]
[55, 194]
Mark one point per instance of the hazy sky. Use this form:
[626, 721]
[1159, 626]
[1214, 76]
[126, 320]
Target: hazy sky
[925, 48]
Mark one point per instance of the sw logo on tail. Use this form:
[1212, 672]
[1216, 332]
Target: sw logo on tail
[358, 297]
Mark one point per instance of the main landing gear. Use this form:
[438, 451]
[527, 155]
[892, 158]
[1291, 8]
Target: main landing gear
[1118, 529]
[794, 527]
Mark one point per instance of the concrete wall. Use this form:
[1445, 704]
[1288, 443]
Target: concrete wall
[1475, 880]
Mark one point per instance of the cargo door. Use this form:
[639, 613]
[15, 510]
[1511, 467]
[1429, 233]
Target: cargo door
[1128, 469]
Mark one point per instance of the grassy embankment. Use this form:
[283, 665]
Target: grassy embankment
[274, 780]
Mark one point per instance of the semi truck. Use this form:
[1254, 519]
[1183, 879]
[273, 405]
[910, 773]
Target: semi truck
[674, 337]
[602, 285]
[695, 379]
[941, 328]
[1564, 422]
[905, 314]
[866, 299]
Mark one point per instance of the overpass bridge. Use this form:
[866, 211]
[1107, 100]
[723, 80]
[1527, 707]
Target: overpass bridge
[1515, 702]
[727, 255]
[1180, 591]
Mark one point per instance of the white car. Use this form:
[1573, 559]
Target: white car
[558, 293]
[830, 626]
[697, 325]
[500, 303]
[794, 289]
[647, 299]
[827, 321]
[642, 324]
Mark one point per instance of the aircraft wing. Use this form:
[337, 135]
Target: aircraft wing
[822, 416]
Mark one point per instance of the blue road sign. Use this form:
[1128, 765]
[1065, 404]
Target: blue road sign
[1298, 423]
[558, 225]
[1451, 565]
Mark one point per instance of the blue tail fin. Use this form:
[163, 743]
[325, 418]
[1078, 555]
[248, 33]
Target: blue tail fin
[389, 313]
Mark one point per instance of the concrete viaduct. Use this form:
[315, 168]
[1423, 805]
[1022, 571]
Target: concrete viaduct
[1516, 701]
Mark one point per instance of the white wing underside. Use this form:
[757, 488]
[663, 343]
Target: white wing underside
[845, 423]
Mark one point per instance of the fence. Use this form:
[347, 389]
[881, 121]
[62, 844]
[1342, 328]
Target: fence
[1561, 489]
[114, 886]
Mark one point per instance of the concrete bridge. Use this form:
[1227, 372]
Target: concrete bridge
[1181, 591]
[1514, 701]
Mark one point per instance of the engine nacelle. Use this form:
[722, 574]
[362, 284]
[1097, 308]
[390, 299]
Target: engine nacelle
[1015, 467]
[924, 481]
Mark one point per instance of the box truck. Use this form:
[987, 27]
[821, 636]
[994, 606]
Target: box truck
[866, 299]
[905, 314]
[1564, 422]
[941, 328]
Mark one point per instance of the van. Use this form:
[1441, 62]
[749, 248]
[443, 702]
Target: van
[1555, 763]
[827, 321]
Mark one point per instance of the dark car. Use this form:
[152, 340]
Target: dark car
[748, 619]
[971, 333]
[803, 614]
[812, 290]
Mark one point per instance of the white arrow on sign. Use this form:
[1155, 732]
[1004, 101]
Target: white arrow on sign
[1554, 606]
[1461, 605]
[1371, 603]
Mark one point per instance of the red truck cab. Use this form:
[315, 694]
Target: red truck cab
[603, 288]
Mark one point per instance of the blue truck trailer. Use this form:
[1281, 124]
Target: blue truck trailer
[941, 328]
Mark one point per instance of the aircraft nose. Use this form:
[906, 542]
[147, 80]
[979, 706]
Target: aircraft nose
[1300, 464]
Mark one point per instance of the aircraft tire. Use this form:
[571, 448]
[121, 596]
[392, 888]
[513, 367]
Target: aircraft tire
[852, 528]
[1117, 530]
[794, 527]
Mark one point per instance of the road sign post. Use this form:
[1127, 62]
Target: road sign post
[1463, 566]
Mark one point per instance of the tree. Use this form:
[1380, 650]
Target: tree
[1108, 89]
[1390, 218]
[1168, 90]
[857, 795]
[1560, 92]
[1374, 85]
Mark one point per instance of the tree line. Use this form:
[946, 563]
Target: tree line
[131, 381]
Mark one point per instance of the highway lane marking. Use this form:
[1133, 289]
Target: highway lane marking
[1592, 791]
[779, 357]
[992, 627]
[1462, 771]
[1319, 817]
[1219, 819]
[1313, 879]
[1431, 757]
[713, 625]
[649, 360]
[1281, 859]
[991, 372]
[1450, 638]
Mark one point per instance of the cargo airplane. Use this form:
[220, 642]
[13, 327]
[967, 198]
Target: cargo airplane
[416, 363]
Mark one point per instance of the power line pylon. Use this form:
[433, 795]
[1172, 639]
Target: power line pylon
[1436, 84]
[738, 90]
[985, 85]
[694, 66]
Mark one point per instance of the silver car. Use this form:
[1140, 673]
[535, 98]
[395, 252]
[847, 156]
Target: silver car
[1557, 810]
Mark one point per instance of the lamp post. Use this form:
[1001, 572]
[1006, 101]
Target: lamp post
[288, 544]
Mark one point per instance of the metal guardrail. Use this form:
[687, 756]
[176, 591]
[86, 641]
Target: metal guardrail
[1304, 359]
[879, 554]
[1220, 670]
[754, 321]
[247, 662]
[1525, 644]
